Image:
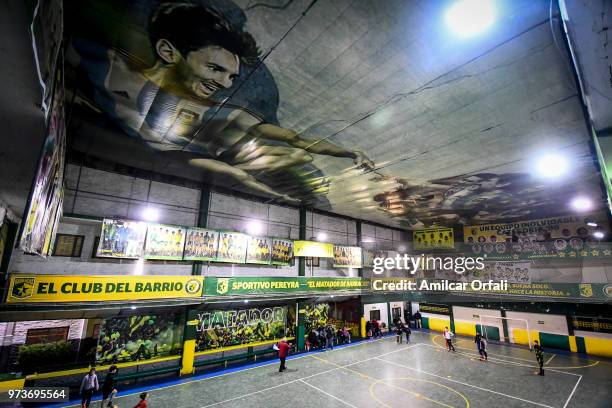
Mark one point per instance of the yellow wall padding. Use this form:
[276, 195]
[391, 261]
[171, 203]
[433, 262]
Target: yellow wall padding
[465, 328]
[187, 361]
[573, 345]
[520, 336]
[598, 347]
[438, 324]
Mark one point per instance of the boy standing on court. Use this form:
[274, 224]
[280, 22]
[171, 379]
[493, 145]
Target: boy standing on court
[448, 336]
[481, 344]
[539, 352]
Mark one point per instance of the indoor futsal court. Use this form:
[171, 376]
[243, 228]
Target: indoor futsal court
[382, 373]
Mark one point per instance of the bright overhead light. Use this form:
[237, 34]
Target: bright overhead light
[598, 234]
[321, 236]
[246, 301]
[133, 307]
[582, 204]
[150, 214]
[255, 227]
[552, 166]
[467, 18]
[591, 223]
[368, 240]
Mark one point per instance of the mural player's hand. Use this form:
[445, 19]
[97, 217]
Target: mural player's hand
[361, 160]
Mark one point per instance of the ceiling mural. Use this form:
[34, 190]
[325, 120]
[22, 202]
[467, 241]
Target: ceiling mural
[339, 105]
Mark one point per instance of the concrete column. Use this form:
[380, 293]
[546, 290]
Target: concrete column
[203, 209]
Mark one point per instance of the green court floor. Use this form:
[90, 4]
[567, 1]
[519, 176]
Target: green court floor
[382, 373]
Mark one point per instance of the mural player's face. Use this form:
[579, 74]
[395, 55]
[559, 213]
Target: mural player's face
[207, 70]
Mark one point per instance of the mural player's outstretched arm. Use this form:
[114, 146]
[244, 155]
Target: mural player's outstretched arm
[241, 176]
[273, 132]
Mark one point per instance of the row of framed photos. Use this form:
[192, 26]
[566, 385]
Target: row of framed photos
[136, 239]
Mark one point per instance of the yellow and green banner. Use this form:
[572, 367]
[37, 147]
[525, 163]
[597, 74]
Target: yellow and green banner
[433, 238]
[264, 285]
[313, 249]
[72, 288]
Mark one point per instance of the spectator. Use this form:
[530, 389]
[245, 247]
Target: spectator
[312, 339]
[368, 328]
[417, 320]
[89, 385]
[329, 337]
[346, 334]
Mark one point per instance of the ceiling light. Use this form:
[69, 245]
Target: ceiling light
[133, 307]
[401, 248]
[582, 204]
[591, 223]
[254, 227]
[598, 234]
[321, 236]
[467, 18]
[150, 214]
[552, 166]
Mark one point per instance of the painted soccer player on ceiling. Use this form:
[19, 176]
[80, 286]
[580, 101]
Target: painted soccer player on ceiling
[477, 198]
[174, 105]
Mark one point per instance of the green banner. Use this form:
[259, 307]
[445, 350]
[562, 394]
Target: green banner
[265, 285]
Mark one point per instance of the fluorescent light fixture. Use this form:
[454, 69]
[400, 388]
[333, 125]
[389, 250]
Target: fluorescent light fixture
[598, 234]
[321, 236]
[246, 300]
[591, 223]
[552, 166]
[255, 227]
[582, 204]
[467, 18]
[150, 214]
[133, 307]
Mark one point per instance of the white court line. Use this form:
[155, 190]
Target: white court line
[502, 361]
[308, 376]
[572, 393]
[361, 343]
[328, 394]
[553, 356]
[466, 384]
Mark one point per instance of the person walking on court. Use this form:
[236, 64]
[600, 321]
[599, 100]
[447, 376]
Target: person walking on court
[448, 336]
[539, 352]
[417, 320]
[108, 388]
[143, 401]
[283, 352]
[481, 345]
[89, 385]
[399, 331]
[408, 332]
[368, 328]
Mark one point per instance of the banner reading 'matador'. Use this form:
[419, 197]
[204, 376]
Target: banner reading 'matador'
[219, 329]
[74, 288]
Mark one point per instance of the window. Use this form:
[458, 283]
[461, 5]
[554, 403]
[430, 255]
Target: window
[47, 335]
[374, 315]
[68, 245]
[94, 250]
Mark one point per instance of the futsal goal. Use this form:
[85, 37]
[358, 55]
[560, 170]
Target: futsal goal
[518, 329]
